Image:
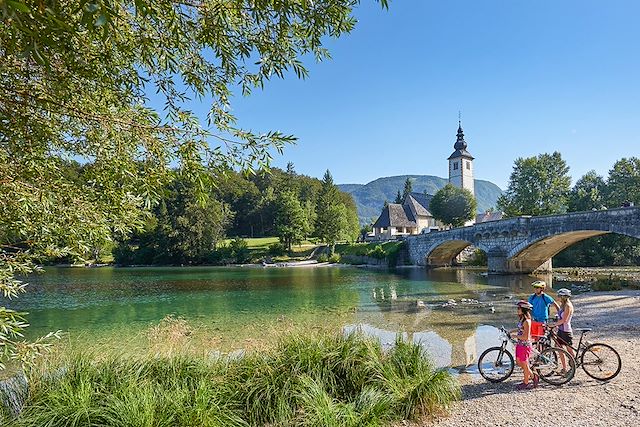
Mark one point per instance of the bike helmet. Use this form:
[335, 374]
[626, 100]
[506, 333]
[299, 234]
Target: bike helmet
[564, 292]
[539, 284]
[524, 304]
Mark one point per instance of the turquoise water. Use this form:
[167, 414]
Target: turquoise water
[240, 308]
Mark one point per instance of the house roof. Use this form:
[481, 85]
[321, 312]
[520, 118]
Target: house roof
[489, 216]
[395, 215]
[420, 201]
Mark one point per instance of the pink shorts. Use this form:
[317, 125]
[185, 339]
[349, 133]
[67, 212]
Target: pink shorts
[523, 352]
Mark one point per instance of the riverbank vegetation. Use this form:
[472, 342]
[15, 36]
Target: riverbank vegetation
[303, 381]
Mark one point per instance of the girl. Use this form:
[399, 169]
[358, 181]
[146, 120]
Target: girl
[523, 346]
[565, 333]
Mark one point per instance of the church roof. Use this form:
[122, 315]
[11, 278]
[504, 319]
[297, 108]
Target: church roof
[460, 146]
[395, 215]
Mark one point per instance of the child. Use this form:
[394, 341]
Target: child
[523, 346]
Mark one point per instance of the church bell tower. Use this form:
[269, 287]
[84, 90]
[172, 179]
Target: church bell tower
[461, 164]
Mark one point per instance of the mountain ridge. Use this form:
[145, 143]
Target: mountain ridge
[370, 197]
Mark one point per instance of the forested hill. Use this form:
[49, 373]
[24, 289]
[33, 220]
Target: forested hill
[370, 197]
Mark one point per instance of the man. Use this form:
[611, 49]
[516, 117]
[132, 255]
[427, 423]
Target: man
[541, 303]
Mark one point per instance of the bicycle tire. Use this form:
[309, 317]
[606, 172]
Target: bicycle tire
[594, 351]
[548, 366]
[487, 365]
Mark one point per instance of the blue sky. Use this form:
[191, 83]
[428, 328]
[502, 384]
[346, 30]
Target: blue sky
[529, 77]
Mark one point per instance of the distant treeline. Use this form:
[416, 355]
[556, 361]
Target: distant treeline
[189, 227]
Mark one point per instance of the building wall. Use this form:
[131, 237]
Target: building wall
[462, 175]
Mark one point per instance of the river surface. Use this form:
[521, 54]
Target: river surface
[235, 309]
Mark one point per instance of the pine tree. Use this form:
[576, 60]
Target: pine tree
[408, 188]
[398, 198]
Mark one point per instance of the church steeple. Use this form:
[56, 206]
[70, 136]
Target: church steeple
[460, 144]
[461, 163]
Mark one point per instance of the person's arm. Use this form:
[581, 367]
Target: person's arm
[526, 330]
[551, 301]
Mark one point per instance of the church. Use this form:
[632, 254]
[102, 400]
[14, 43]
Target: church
[413, 216]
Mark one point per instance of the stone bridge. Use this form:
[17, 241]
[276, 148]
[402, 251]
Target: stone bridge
[522, 244]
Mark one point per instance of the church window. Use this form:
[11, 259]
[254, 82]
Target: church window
[468, 165]
[455, 166]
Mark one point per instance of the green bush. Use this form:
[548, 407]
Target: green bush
[334, 258]
[240, 250]
[322, 380]
[377, 252]
[323, 258]
[277, 249]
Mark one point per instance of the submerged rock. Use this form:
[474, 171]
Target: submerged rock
[13, 394]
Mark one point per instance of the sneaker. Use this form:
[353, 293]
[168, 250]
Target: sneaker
[523, 386]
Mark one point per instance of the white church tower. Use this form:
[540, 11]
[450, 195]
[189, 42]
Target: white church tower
[461, 164]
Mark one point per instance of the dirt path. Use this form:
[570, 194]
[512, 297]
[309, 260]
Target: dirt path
[615, 318]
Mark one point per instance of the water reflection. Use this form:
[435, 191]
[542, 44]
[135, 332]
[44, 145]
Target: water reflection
[440, 350]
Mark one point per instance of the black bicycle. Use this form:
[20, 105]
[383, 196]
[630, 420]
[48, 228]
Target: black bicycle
[598, 360]
[496, 364]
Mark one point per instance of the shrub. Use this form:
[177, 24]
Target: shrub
[277, 249]
[377, 252]
[239, 250]
[324, 380]
[323, 258]
[334, 258]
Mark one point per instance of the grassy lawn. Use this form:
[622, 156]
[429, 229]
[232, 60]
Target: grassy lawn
[364, 249]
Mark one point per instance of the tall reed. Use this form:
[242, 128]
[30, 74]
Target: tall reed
[323, 380]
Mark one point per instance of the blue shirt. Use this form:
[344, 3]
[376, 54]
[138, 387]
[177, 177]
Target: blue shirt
[540, 306]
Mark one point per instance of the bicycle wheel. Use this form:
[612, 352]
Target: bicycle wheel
[495, 364]
[548, 365]
[601, 361]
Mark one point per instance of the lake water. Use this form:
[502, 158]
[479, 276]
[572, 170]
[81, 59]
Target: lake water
[229, 309]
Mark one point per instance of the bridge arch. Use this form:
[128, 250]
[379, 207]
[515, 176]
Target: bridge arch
[541, 247]
[444, 252]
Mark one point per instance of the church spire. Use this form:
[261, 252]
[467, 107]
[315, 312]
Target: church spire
[460, 144]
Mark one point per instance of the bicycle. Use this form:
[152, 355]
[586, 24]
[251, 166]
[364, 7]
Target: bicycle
[598, 360]
[496, 364]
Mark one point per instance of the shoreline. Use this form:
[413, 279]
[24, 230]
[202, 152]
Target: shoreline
[615, 319]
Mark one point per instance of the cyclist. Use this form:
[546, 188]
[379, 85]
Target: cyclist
[541, 303]
[565, 333]
[524, 345]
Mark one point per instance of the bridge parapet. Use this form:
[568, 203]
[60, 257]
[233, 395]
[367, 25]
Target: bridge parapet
[522, 244]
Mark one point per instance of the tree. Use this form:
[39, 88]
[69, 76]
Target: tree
[453, 205]
[623, 184]
[408, 188]
[334, 220]
[398, 198]
[291, 222]
[73, 82]
[588, 193]
[537, 186]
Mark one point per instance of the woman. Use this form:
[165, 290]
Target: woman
[565, 333]
[523, 346]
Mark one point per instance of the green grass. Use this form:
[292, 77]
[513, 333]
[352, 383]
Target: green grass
[324, 380]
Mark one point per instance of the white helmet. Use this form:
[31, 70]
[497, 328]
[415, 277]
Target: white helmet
[564, 292]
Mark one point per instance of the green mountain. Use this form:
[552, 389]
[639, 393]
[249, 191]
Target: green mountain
[370, 197]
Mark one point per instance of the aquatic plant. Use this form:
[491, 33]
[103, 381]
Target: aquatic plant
[321, 380]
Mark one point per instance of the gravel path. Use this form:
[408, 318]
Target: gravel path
[615, 318]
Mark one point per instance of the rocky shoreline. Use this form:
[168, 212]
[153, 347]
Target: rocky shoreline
[615, 319]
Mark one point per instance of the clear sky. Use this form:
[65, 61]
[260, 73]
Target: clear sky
[529, 77]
